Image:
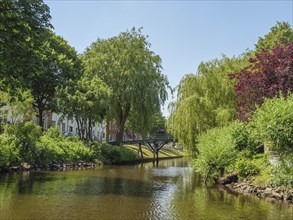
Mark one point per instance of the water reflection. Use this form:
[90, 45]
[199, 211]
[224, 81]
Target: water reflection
[167, 190]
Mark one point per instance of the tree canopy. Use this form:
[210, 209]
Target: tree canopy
[280, 34]
[21, 34]
[133, 73]
[205, 100]
[60, 64]
[268, 75]
[85, 101]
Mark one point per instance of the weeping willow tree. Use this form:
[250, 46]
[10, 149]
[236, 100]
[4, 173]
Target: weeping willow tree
[132, 71]
[205, 100]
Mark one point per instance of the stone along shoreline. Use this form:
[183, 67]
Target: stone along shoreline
[262, 191]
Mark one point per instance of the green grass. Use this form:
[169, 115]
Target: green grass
[163, 153]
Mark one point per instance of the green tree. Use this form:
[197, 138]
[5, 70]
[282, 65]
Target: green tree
[205, 100]
[156, 123]
[272, 124]
[60, 64]
[280, 34]
[133, 72]
[85, 101]
[21, 34]
[216, 152]
[17, 107]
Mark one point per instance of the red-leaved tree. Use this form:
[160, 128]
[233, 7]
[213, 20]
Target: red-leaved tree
[268, 75]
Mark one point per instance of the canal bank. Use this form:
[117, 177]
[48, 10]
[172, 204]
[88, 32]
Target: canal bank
[263, 191]
[113, 157]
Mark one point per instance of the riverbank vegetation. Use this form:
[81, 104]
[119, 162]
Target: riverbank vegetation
[235, 114]
[25, 142]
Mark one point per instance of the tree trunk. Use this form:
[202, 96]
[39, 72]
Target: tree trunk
[140, 150]
[90, 133]
[121, 131]
[41, 121]
[122, 121]
[107, 130]
[78, 127]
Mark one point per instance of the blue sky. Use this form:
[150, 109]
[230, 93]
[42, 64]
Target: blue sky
[183, 33]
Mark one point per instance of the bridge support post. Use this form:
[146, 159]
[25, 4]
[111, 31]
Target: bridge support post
[140, 150]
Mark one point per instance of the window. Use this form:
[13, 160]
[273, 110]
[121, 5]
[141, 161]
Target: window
[70, 129]
[63, 127]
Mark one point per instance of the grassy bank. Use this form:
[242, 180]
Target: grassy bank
[163, 153]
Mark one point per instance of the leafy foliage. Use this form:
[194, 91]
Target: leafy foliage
[60, 64]
[205, 100]
[282, 173]
[246, 168]
[17, 106]
[273, 123]
[21, 33]
[113, 154]
[268, 75]
[24, 142]
[280, 34]
[9, 152]
[21, 137]
[54, 147]
[244, 139]
[133, 73]
[86, 101]
[216, 151]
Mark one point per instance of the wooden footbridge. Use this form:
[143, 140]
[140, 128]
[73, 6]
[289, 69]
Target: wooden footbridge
[153, 144]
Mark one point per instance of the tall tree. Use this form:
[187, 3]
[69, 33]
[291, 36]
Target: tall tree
[280, 34]
[133, 72]
[22, 29]
[84, 100]
[268, 75]
[60, 64]
[205, 100]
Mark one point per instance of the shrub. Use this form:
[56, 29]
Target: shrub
[241, 133]
[9, 152]
[273, 122]
[282, 173]
[264, 176]
[112, 154]
[21, 137]
[54, 147]
[216, 151]
[246, 168]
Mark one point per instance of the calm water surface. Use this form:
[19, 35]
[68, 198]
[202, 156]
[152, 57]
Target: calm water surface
[170, 190]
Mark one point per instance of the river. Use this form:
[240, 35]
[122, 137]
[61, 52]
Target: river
[169, 190]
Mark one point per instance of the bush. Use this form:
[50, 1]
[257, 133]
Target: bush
[241, 133]
[53, 147]
[19, 140]
[112, 154]
[9, 152]
[216, 151]
[273, 122]
[246, 168]
[282, 173]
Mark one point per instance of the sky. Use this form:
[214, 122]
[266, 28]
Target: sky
[182, 33]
